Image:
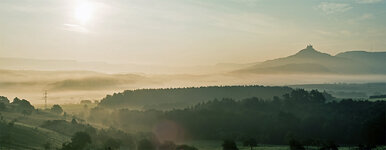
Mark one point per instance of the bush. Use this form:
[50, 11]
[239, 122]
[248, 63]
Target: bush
[250, 143]
[112, 144]
[167, 145]
[185, 147]
[146, 144]
[56, 109]
[2, 106]
[21, 105]
[229, 145]
[329, 146]
[78, 141]
[4, 99]
[296, 145]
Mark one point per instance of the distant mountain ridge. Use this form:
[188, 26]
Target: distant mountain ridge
[312, 61]
[306, 61]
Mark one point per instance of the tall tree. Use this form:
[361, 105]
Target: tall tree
[56, 109]
[250, 143]
[229, 145]
[4, 99]
[78, 141]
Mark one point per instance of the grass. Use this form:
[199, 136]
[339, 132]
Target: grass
[216, 145]
[35, 119]
[26, 132]
[23, 136]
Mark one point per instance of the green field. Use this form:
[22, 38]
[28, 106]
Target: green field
[19, 131]
[216, 145]
[35, 119]
[25, 133]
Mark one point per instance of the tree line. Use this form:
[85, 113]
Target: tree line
[169, 98]
[300, 114]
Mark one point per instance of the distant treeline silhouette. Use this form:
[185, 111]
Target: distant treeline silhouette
[302, 115]
[17, 105]
[169, 98]
[378, 96]
[347, 90]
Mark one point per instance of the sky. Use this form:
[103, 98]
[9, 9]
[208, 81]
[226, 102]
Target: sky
[187, 32]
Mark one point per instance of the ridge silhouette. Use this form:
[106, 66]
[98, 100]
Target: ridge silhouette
[311, 61]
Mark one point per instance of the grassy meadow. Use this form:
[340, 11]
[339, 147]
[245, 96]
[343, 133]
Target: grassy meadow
[24, 132]
[216, 145]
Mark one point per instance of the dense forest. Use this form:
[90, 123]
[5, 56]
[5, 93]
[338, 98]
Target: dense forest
[184, 97]
[302, 115]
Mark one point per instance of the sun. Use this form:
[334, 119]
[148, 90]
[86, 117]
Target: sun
[83, 12]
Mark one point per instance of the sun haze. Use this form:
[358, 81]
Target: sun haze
[186, 32]
[193, 74]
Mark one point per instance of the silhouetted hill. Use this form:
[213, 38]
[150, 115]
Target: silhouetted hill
[312, 61]
[373, 61]
[310, 52]
[296, 68]
[364, 56]
[184, 97]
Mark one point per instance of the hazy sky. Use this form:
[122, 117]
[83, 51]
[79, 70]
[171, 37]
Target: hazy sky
[187, 31]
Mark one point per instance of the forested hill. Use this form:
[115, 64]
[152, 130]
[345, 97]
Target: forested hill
[184, 97]
[302, 115]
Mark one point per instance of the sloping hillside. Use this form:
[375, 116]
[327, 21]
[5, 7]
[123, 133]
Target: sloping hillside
[311, 61]
[374, 61]
[22, 136]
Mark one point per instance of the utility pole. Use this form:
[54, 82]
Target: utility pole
[45, 99]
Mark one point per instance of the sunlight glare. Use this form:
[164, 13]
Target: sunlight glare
[83, 12]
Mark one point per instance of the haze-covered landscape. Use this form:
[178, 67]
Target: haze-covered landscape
[192, 75]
